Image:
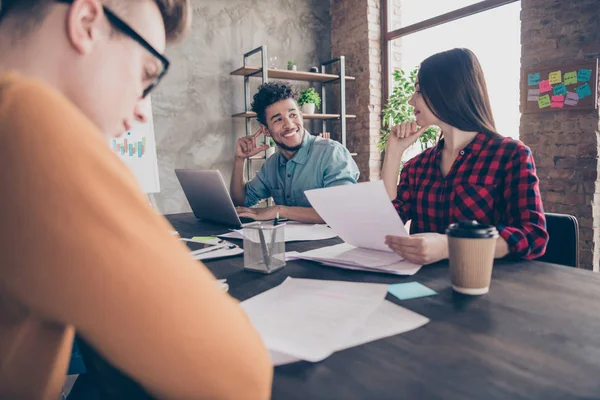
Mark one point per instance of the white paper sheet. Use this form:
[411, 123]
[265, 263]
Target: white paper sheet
[294, 232]
[400, 268]
[362, 214]
[347, 254]
[228, 249]
[308, 319]
[388, 320]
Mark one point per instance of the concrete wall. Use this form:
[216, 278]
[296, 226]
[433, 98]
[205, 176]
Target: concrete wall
[193, 106]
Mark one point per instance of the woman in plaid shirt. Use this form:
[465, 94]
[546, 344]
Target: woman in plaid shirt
[473, 173]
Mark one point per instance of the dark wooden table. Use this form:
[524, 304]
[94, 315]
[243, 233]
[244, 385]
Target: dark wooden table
[536, 335]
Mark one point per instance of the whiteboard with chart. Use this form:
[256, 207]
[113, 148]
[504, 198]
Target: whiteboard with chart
[137, 149]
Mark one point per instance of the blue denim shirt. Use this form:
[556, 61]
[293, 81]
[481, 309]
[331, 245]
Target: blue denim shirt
[319, 163]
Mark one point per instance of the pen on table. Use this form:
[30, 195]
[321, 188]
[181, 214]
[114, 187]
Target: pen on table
[273, 234]
[263, 244]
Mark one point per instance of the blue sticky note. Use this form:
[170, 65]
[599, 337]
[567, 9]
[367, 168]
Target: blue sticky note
[583, 91]
[584, 75]
[533, 79]
[410, 290]
[560, 89]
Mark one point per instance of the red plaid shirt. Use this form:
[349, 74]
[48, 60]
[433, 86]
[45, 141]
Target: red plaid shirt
[492, 181]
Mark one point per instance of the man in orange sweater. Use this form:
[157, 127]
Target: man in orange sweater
[80, 250]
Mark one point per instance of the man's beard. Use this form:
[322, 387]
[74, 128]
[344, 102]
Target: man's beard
[290, 148]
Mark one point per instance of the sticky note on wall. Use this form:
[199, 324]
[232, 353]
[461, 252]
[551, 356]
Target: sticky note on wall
[584, 75]
[555, 77]
[571, 99]
[570, 78]
[560, 89]
[544, 101]
[545, 86]
[584, 91]
[533, 94]
[533, 79]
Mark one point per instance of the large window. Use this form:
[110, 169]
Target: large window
[493, 35]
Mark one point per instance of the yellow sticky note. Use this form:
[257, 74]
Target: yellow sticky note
[555, 77]
[544, 101]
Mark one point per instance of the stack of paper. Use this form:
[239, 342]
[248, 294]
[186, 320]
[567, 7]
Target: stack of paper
[362, 215]
[304, 319]
[350, 257]
[294, 232]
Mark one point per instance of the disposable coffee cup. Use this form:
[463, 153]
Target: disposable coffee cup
[471, 247]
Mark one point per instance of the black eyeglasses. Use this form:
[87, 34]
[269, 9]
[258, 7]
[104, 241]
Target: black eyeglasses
[127, 30]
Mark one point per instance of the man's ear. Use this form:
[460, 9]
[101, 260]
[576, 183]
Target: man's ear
[265, 130]
[84, 24]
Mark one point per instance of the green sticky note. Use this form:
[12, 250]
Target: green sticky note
[570, 78]
[544, 101]
[410, 290]
[203, 238]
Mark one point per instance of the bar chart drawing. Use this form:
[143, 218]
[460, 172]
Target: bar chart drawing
[137, 150]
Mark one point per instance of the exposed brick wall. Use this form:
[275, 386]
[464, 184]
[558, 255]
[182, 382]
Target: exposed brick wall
[565, 144]
[395, 22]
[356, 33]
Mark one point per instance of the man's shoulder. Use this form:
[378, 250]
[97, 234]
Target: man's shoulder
[31, 109]
[322, 145]
[17, 90]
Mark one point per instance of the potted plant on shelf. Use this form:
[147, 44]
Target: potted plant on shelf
[271, 150]
[309, 101]
[292, 65]
[398, 110]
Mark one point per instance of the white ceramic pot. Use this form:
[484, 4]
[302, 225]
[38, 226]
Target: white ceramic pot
[270, 151]
[308, 108]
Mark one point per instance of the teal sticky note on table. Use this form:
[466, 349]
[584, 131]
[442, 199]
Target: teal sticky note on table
[584, 75]
[583, 91]
[410, 290]
[533, 79]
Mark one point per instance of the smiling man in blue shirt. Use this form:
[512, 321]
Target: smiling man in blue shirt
[303, 161]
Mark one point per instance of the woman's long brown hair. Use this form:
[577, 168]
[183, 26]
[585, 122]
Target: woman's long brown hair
[454, 89]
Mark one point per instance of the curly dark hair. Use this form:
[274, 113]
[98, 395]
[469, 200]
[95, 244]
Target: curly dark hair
[270, 93]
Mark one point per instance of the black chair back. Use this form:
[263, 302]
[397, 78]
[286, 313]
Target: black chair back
[563, 244]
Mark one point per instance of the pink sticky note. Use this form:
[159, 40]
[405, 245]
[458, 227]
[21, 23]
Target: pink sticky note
[558, 98]
[557, 104]
[545, 86]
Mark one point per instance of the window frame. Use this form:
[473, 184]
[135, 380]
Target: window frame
[389, 36]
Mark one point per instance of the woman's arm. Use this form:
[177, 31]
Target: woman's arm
[525, 229]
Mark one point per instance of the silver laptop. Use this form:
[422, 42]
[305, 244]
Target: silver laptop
[208, 196]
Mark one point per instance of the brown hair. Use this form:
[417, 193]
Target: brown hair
[175, 14]
[454, 89]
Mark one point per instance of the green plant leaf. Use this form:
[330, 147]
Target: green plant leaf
[309, 96]
[398, 110]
